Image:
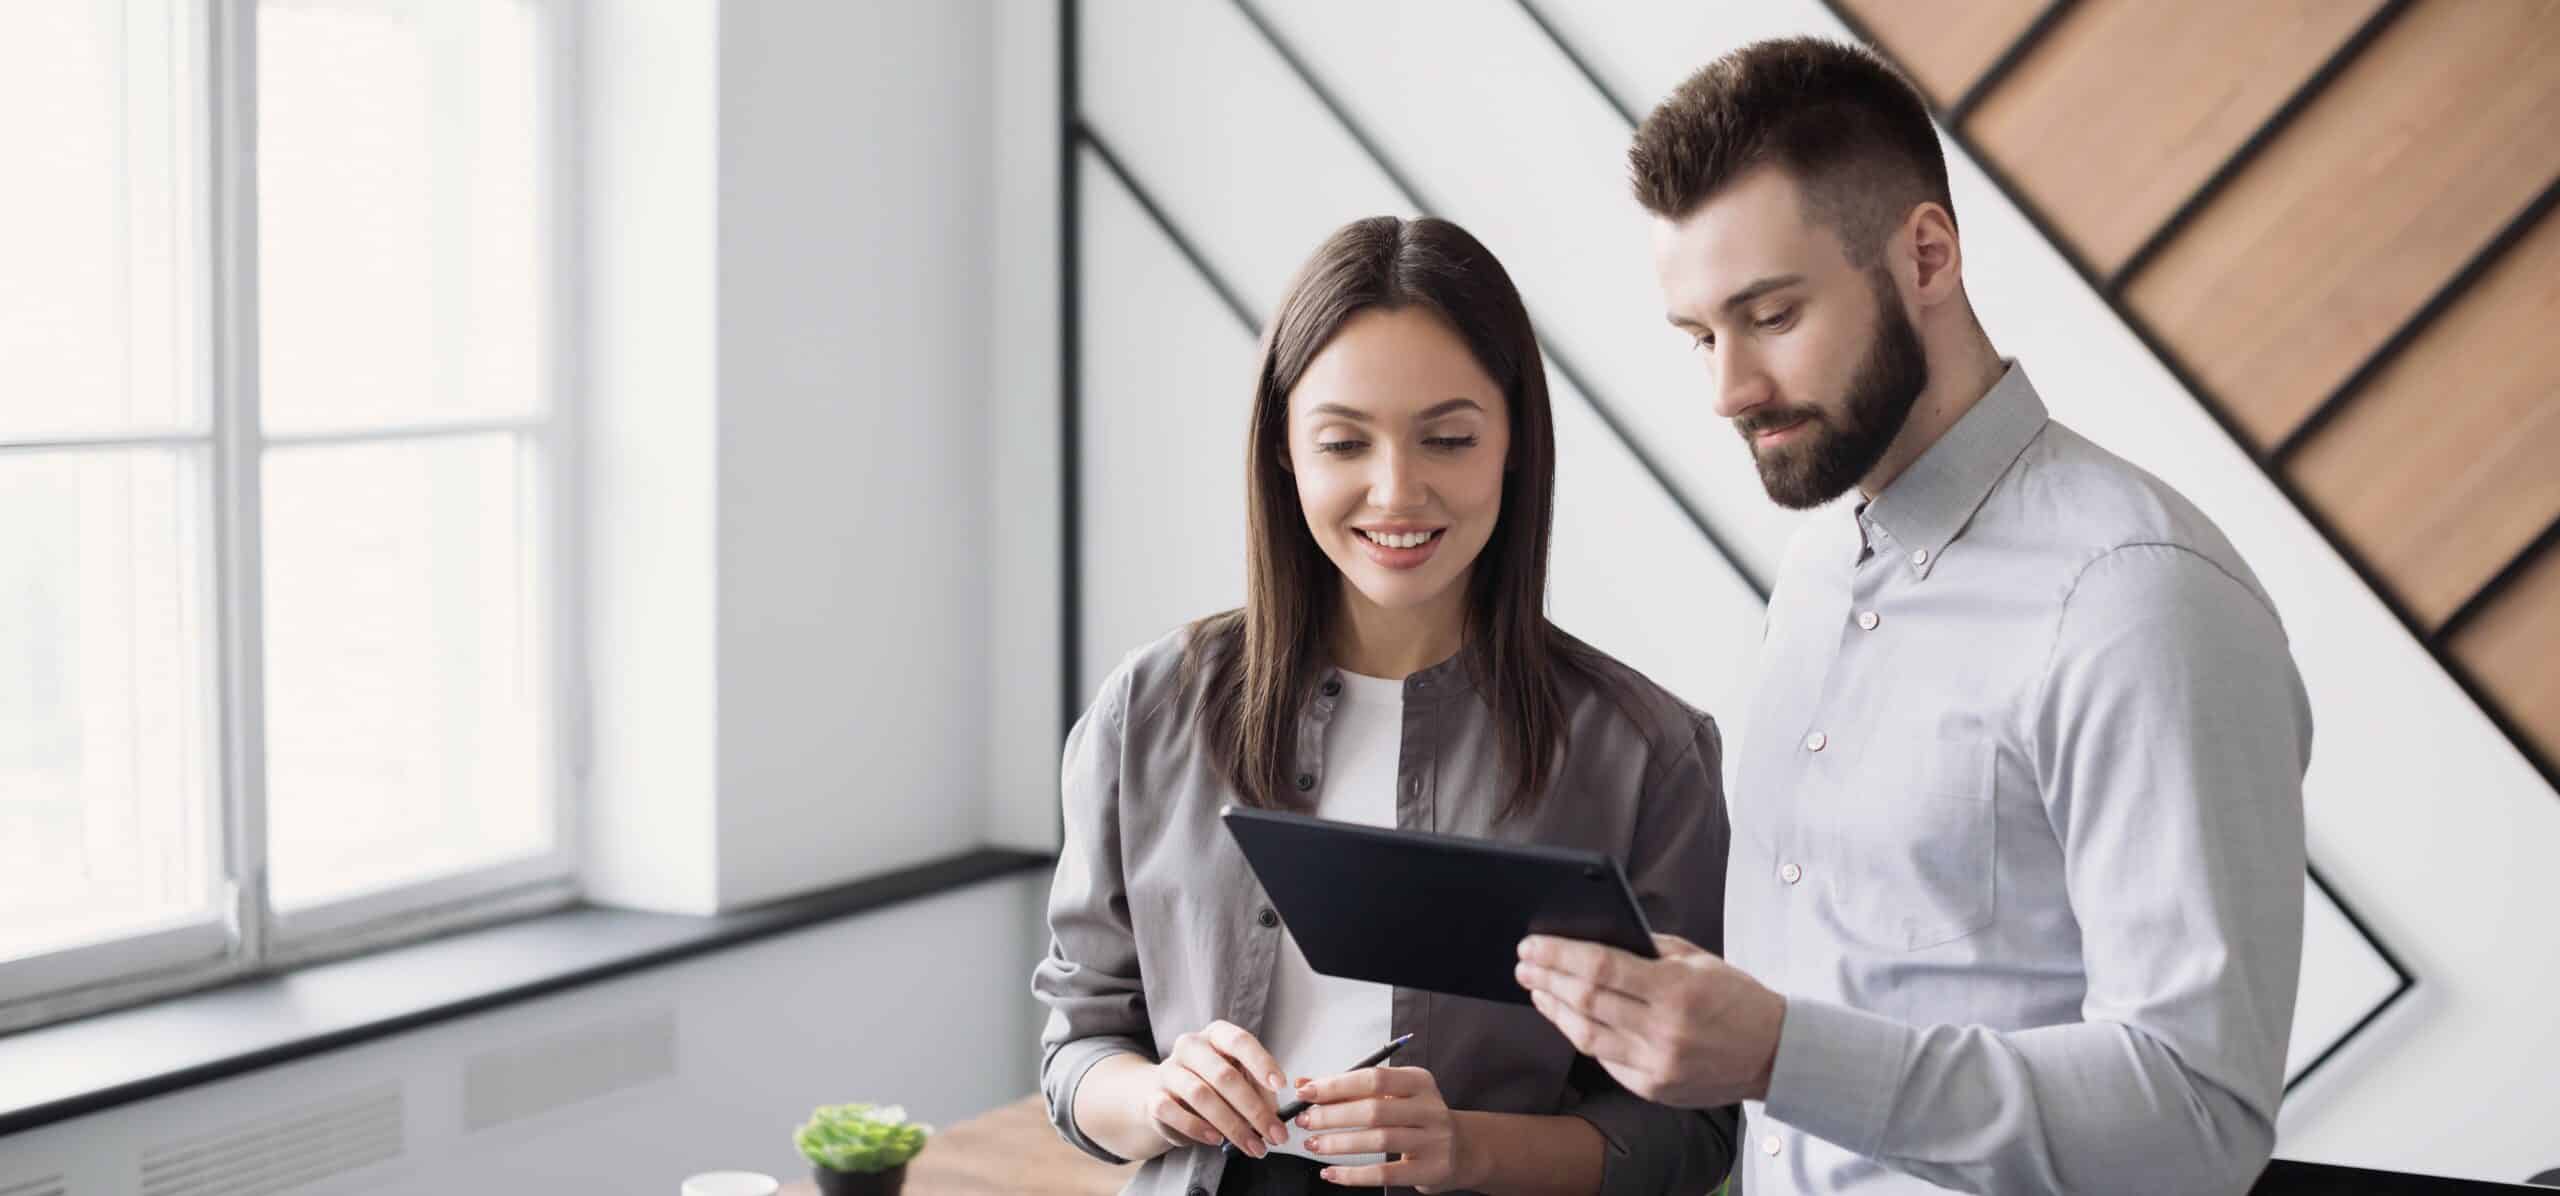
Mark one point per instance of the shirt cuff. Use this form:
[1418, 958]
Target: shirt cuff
[1065, 1072]
[1837, 1073]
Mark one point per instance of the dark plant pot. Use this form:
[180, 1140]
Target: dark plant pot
[832, 1182]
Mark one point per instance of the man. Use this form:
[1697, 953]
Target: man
[2015, 895]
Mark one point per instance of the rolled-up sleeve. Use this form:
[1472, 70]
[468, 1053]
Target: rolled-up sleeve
[2171, 737]
[1676, 866]
[1089, 979]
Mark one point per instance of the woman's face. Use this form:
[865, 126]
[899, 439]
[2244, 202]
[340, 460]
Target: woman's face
[1397, 439]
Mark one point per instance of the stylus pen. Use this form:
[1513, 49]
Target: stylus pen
[1295, 1107]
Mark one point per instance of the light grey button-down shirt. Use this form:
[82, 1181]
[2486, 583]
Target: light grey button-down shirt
[1158, 927]
[2017, 820]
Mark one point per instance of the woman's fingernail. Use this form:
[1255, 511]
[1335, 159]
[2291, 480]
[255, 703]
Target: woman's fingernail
[1316, 1145]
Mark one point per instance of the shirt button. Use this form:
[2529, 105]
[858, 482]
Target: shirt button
[1791, 874]
[1769, 1145]
[1920, 556]
[1331, 688]
[1267, 918]
[1197, 1190]
[1306, 781]
[1867, 620]
[1812, 743]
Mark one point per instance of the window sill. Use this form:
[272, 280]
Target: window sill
[54, 1073]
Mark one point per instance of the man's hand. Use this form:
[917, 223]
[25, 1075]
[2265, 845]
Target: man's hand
[1687, 1030]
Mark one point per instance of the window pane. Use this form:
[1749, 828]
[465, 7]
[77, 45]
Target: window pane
[407, 717]
[99, 246]
[106, 795]
[399, 212]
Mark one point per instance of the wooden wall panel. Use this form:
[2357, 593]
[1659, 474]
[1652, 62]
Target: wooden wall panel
[2128, 106]
[2437, 135]
[2447, 464]
[1945, 44]
[2513, 649]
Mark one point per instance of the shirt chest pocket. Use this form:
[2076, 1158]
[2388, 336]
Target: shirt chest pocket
[1914, 850]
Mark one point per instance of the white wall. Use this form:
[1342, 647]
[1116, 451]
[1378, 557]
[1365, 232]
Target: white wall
[796, 269]
[855, 280]
[925, 1004]
[649, 118]
[2427, 821]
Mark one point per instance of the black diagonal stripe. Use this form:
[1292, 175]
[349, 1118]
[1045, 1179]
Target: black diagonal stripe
[1564, 365]
[2481, 598]
[2011, 55]
[2311, 88]
[2454, 287]
[2406, 983]
[1183, 245]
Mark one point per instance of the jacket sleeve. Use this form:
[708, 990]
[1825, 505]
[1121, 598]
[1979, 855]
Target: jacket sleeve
[1677, 868]
[1089, 978]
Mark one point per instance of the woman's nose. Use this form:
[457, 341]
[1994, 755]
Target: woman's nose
[1395, 482]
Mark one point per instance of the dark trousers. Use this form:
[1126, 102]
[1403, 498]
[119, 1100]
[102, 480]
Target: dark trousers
[1277, 1175]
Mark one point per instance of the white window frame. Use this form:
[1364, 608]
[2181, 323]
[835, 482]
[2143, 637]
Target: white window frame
[244, 935]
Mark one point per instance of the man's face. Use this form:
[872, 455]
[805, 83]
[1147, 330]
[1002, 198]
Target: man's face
[1814, 359]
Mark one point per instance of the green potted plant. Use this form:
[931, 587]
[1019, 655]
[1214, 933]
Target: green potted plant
[860, 1149]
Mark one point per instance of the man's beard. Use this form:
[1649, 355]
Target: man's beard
[1830, 454]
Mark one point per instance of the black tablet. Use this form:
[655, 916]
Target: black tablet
[1438, 912]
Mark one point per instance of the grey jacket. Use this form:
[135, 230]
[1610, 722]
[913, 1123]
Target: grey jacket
[1157, 924]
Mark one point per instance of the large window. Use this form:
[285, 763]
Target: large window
[281, 459]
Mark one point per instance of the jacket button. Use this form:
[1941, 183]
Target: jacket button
[1306, 781]
[1267, 918]
[1331, 688]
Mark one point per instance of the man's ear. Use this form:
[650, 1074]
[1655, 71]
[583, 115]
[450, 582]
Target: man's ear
[1937, 256]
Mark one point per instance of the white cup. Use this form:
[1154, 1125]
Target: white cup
[731, 1183]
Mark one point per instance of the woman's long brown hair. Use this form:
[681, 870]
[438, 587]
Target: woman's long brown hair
[1260, 663]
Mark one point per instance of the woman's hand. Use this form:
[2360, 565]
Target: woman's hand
[1390, 1110]
[1216, 1086]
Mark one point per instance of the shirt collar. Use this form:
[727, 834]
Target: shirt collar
[1441, 681]
[1924, 508]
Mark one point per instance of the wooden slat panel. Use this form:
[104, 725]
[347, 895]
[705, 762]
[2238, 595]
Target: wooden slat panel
[2440, 132]
[2106, 169]
[1945, 44]
[2448, 463]
[2513, 649]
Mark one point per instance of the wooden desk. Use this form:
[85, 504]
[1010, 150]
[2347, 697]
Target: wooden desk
[1005, 1152]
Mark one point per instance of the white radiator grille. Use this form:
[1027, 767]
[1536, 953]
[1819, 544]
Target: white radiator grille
[520, 1081]
[274, 1153]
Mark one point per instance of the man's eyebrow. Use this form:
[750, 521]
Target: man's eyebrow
[1741, 298]
[1761, 287]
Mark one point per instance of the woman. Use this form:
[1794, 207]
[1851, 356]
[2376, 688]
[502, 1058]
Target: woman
[1392, 665]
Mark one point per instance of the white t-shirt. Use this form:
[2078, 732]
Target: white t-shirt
[1317, 1025]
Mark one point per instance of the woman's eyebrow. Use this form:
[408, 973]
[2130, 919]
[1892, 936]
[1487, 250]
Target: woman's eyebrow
[1434, 411]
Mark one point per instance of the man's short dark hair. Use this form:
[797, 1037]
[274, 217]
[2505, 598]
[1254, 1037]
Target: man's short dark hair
[1847, 127]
